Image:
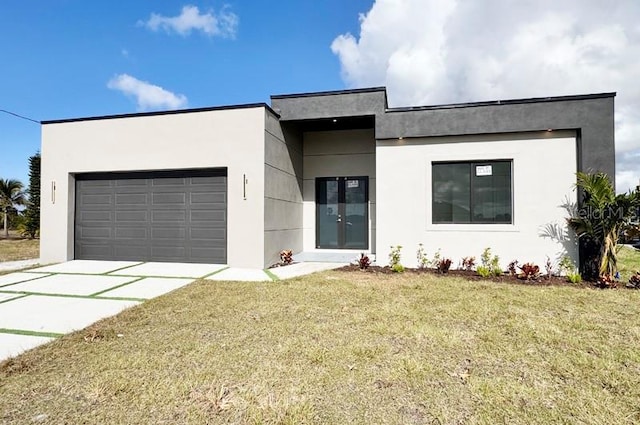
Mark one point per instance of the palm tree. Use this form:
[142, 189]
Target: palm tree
[11, 195]
[599, 222]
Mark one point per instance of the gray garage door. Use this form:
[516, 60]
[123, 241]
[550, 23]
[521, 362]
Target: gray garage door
[176, 216]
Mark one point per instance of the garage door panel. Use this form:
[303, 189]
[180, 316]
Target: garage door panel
[128, 251]
[168, 216]
[96, 232]
[169, 198]
[216, 234]
[101, 200]
[95, 183]
[152, 216]
[133, 183]
[169, 253]
[208, 198]
[95, 215]
[204, 253]
[176, 233]
[124, 199]
[131, 233]
[169, 182]
[132, 216]
[89, 250]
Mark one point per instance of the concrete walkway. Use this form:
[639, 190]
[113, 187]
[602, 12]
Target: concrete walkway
[41, 304]
[18, 265]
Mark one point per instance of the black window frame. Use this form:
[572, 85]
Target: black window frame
[472, 167]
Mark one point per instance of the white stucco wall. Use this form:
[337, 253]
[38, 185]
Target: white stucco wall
[230, 138]
[543, 174]
[342, 153]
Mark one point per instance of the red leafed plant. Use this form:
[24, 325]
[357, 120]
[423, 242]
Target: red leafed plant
[364, 262]
[529, 271]
[444, 265]
[468, 263]
[606, 282]
[634, 281]
[286, 257]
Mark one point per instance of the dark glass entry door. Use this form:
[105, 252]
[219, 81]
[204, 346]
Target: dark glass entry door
[342, 215]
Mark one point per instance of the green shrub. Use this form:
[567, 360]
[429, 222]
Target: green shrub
[490, 265]
[398, 268]
[483, 271]
[422, 258]
[574, 277]
[394, 257]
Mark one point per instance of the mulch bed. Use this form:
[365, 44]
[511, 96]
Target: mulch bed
[472, 275]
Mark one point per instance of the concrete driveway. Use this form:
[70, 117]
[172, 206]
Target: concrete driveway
[39, 305]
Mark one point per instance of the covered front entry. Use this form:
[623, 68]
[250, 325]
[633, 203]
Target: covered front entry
[173, 216]
[342, 219]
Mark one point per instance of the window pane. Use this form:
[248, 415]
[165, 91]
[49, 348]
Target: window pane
[491, 192]
[472, 192]
[451, 193]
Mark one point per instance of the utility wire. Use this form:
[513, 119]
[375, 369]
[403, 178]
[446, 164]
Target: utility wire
[20, 116]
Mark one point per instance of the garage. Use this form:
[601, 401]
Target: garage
[172, 216]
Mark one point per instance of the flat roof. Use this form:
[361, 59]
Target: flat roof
[170, 112]
[504, 102]
[330, 93]
[341, 92]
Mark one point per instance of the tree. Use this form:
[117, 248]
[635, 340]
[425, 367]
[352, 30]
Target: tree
[11, 195]
[599, 222]
[31, 224]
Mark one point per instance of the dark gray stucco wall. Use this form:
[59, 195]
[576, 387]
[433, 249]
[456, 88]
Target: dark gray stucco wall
[591, 117]
[283, 190]
[330, 104]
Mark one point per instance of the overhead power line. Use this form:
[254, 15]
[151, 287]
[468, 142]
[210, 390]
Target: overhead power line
[20, 116]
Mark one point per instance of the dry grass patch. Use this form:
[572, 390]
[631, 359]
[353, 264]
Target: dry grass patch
[15, 248]
[343, 348]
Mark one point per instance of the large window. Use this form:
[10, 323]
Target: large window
[472, 192]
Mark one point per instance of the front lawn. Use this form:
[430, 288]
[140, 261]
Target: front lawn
[16, 248]
[628, 262]
[339, 348]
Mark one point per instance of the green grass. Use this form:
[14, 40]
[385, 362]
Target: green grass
[339, 348]
[628, 262]
[15, 248]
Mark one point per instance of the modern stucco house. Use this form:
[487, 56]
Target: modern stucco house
[322, 174]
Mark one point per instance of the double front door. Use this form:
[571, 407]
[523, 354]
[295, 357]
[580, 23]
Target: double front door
[342, 214]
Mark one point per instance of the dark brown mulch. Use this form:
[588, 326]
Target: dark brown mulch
[472, 275]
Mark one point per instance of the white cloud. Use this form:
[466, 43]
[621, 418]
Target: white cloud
[148, 96]
[224, 24]
[444, 51]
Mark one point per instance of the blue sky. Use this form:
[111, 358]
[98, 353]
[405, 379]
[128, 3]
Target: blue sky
[58, 57]
[67, 58]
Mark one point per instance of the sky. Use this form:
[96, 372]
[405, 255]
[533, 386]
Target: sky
[69, 58]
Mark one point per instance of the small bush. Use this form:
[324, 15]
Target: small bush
[548, 265]
[363, 262]
[484, 271]
[512, 268]
[490, 264]
[394, 257]
[468, 263]
[444, 265]
[437, 257]
[398, 268]
[421, 256]
[574, 277]
[529, 271]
